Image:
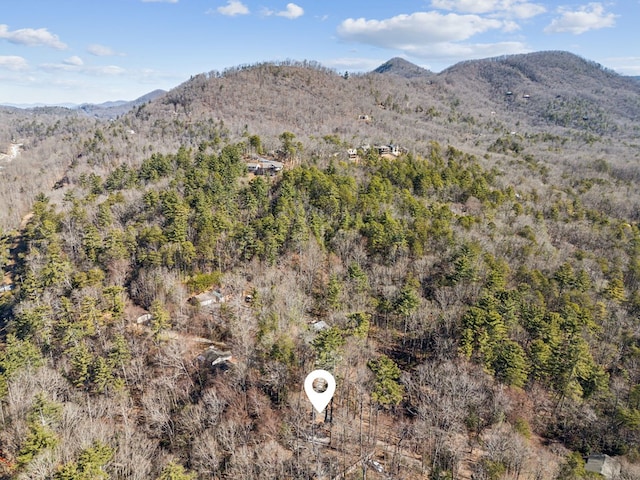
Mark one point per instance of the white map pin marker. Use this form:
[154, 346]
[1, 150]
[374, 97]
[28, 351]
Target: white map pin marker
[320, 400]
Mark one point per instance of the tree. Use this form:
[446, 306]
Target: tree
[289, 147]
[175, 471]
[39, 438]
[334, 289]
[256, 144]
[387, 392]
[572, 468]
[407, 300]
[43, 411]
[81, 360]
[120, 353]
[160, 319]
[101, 374]
[89, 466]
[15, 355]
[615, 290]
[42, 416]
[511, 364]
[327, 345]
[359, 324]
[114, 298]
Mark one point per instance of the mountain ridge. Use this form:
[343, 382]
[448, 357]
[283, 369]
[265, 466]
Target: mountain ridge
[404, 68]
[109, 109]
[532, 89]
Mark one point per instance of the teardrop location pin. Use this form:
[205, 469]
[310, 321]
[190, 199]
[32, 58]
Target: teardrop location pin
[320, 400]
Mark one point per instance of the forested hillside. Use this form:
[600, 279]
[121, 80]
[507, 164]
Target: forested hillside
[476, 296]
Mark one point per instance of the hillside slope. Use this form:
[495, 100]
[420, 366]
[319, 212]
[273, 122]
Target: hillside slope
[476, 294]
[551, 89]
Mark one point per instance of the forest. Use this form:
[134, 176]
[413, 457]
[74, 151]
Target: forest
[477, 300]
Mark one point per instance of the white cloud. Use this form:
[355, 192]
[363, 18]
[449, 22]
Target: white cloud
[74, 60]
[511, 8]
[587, 17]
[100, 50]
[354, 64]
[233, 8]
[435, 56]
[415, 31]
[432, 36]
[527, 10]
[466, 51]
[292, 11]
[107, 70]
[111, 70]
[31, 37]
[12, 62]
[470, 6]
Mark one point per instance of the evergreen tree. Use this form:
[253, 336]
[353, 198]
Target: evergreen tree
[89, 466]
[387, 392]
[175, 471]
[160, 319]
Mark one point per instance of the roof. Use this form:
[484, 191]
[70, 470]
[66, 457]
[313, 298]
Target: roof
[265, 164]
[211, 296]
[605, 465]
[318, 326]
[212, 356]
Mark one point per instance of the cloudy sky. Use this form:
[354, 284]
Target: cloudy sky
[74, 51]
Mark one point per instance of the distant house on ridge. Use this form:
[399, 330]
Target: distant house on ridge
[263, 166]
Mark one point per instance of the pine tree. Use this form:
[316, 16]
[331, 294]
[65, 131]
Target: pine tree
[160, 319]
[89, 466]
[387, 392]
[175, 471]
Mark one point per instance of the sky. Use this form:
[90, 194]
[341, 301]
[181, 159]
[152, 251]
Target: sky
[76, 51]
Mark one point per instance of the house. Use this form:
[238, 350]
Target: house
[212, 357]
[392, 149]
[263, 166]
[383, 149]
[6, 288]
[605, 465]
[364, 118]
[144, 318]
[319, 326]
[210, 297]
[353, 153]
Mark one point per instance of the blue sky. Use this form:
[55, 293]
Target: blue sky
[61, 51]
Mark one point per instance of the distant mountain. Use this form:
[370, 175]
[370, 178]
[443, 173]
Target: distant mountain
[109, 109]
[120, 107]
[116, 103]
[400, 66]
[26, 106]
[556, 69]
[554, 87]
[548, 91]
